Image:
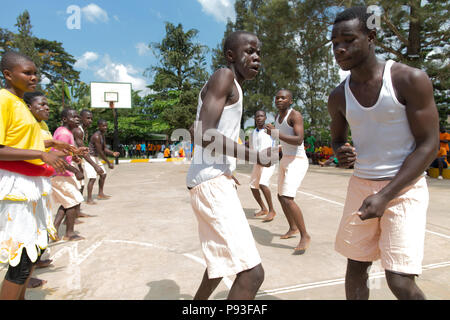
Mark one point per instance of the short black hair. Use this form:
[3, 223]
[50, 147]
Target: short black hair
[11, 59]
[66, 111]
[260, 110]
[29, 97]
[359, 13]
[290, 92]
[85, 111]
[101, 121]
[232, 39]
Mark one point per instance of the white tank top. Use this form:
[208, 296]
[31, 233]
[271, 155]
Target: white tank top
[381, 133]
[206, 166]
[285, 128]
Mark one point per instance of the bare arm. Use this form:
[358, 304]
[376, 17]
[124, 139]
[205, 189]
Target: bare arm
[220, 88]
[296, 122]
[14, 154]
[339, 129]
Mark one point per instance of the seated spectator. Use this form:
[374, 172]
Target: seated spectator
[440, 161]
[167, 152]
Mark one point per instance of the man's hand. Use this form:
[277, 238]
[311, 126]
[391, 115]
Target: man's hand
[79, 175]
[55, 161]
[269, 127]
[116, 154]
[373, 207]
[68, 149]
[346, 155]
[82, 151]
[98, 170]
[269, 156]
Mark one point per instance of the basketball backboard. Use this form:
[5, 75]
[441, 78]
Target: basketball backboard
[102, 93]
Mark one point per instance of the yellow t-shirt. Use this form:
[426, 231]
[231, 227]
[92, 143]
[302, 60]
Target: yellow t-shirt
[18, 127]
[46, 134]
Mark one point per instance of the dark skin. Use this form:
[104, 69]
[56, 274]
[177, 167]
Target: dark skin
[86, 121]
[80, 141]
[221, 91]
[70, 121]
[354, 50]
[293, 213]
[97, 139]
[260, 120]
[23, 78]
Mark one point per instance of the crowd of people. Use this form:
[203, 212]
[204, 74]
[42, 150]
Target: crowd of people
[153, 149]
[43, 174]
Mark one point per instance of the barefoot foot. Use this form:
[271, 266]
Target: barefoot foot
[103, 197]
[302, 245]
[35, 283]
[73, 237]
[289, 234]
[270, 216]
[261, 213]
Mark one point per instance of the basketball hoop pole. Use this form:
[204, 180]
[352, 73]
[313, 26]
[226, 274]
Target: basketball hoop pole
[116, 130]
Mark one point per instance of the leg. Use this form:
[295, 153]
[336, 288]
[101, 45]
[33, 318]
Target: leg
[246, 284]
[59, 217]
[101, 184]
[16, 278]
[90, 188]
[292, 227]
[268, 196]
[257, 196]
[71, 214]
[356, 280]
[297, 217]
[404, 286]
[206, 287]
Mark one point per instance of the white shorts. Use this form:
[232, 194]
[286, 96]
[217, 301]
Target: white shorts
[89, 171]
[79, 183]
[291, 173]
[225, 236]
[261, 175]
[397, 238]
[65, 192]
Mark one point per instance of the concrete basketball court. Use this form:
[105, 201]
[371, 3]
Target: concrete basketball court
[143, 242]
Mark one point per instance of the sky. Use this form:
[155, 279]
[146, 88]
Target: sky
[109, 39]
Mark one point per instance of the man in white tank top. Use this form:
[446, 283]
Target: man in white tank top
[226, 239]
[394, 123]
[293, 165]
[260, 178]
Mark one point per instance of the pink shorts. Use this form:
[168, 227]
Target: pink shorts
[261, 176]
[291, 173]
[226, 239]
[397, 238]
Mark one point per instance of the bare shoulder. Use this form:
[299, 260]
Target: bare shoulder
[222, 76]
[405, 79]
[77, 132]
[336, 100]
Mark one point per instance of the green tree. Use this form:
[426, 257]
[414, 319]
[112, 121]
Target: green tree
[179, 75]
[50, 57]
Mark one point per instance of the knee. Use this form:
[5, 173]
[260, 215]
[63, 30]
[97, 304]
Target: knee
[403, 286]
[257, 275]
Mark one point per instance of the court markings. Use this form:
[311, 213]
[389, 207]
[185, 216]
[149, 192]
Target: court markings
[76, 259]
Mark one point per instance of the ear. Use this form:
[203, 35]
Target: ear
[7, 74]
[229, 55]
[372, 36]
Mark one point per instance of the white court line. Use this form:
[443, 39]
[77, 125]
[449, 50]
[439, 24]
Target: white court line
[341, 205]
[78, 259]
[313, 285]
